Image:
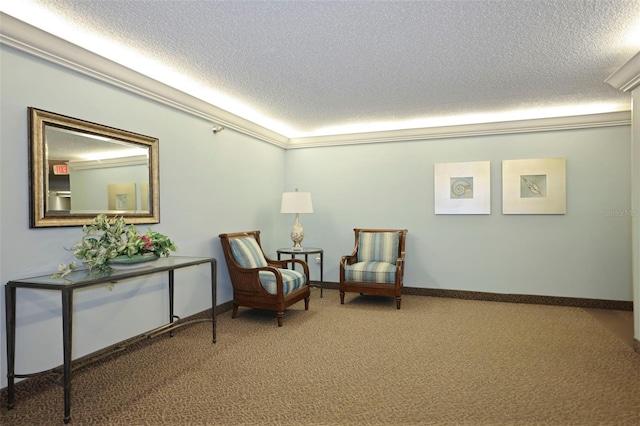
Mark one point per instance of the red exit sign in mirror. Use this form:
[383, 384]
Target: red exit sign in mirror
[60, 169]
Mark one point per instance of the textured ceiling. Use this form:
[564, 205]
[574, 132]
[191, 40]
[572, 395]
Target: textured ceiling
[304, 67]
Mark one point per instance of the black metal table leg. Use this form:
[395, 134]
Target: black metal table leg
[67, 321]
[171, 316]
[10, 314]
[321, 270]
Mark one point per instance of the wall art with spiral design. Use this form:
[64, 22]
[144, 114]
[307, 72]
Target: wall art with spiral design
[462, 188]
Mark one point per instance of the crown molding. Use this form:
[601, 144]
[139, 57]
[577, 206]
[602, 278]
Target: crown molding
[34, 41]
[619, 118]
[627, 77]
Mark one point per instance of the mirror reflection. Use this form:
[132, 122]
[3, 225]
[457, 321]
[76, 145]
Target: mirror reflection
[81, 169]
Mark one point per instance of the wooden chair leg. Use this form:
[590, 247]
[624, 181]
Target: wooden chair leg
[280, 317]
[234, 313]
[342, 297]
[398, 301]
[306, 303]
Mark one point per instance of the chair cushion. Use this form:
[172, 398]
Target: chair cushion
[291, 280]
[247, 252]
[378, 247]
[371, 272]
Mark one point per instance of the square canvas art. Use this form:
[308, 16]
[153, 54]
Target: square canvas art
[462, 188]
[535, 186]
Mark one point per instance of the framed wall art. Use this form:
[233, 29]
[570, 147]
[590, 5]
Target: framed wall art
[534, 186]
[462, 188]
[122, 197]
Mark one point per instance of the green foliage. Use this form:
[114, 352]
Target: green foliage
[107, 238]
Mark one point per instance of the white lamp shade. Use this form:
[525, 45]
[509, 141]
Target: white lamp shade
[296, 202]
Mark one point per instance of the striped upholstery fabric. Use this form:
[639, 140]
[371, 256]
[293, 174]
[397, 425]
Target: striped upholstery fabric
[378, 247]
[291, 280]
[371, 272]
[247, 252]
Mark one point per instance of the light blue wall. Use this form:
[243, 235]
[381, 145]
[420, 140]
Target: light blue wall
[232, 182]
[209, 184]
[585, 253]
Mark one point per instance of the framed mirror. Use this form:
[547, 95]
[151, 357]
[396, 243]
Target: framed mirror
[79, 169]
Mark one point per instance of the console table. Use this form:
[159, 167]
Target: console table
[82, 279]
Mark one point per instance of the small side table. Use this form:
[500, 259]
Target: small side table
[306, 251]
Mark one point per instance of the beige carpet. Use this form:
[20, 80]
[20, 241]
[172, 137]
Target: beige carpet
[436, 361]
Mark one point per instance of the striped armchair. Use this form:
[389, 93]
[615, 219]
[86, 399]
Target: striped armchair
[376, 265]
[259, 282]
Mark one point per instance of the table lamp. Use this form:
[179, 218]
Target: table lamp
[296, 202]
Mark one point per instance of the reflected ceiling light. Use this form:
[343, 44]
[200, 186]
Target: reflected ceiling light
[107, 155]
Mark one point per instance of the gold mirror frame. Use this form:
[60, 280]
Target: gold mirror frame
[79, 137]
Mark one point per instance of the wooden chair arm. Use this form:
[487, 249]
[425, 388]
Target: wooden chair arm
[253, 282]
[305, 267]
[277, 263]
[283, 264]
[348, 259]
